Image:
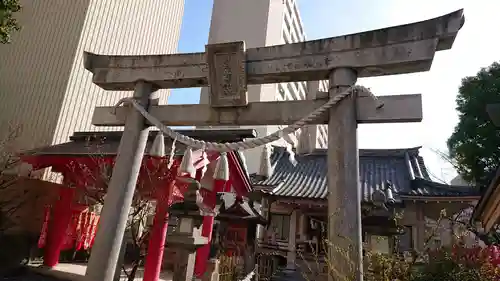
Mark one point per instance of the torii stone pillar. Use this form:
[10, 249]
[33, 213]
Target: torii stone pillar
[344, 208]
[108, 241]
[227, 69]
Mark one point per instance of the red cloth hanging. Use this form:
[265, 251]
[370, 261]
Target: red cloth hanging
[43, 234]
[80, 232]
[177, 195]
[72, 230]
[94, 230]
[88, 231]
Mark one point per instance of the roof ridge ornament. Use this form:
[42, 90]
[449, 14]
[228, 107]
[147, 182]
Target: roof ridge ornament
[383, 197]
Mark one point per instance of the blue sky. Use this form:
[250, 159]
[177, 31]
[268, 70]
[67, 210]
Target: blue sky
[477, 45]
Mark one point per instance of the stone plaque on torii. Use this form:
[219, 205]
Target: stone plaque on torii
[227, 69]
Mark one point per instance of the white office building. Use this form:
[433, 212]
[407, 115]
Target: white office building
[45, 89]
[264, 23]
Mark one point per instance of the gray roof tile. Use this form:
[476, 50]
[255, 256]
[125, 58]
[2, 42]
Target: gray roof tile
[403, 168]
[106, 143]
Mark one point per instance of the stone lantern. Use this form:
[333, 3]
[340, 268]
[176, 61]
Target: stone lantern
[187, 237]
[381, 220]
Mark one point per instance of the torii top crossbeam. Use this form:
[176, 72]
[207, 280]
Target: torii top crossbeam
[394, 50]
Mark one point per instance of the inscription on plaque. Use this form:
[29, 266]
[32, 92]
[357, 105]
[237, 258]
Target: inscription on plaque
[225, 79]
[227, 75]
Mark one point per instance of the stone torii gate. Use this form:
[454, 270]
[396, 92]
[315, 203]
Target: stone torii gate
[227, 69]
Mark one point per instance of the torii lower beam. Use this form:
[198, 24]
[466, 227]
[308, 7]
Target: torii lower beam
[396, 109]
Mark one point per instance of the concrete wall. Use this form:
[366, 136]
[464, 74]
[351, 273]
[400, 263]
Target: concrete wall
[24, 201]
[43, 85]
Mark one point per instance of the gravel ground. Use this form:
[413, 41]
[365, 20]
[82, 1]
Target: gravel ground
[26, 275]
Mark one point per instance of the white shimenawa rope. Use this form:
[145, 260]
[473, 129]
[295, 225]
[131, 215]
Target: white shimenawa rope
[250, 143]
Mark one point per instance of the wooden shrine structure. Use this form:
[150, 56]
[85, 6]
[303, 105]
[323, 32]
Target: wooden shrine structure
[86, 161]
[226, 69]
[296, 199]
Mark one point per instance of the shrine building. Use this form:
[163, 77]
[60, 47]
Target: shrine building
[392, 181]
[67, 220]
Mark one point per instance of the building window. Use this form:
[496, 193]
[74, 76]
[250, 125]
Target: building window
[322, 143]
[297, 15]
[293, 93]
[282, 92]
[296, 29]
[285, 38]
[294, 36]
[323, 86]
[404, 243]
[289, 9]
[287, 23]
[280, 224]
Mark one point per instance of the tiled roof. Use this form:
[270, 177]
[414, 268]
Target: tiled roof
[101, 144]
[421, 187]
[403, 168]
[106, 143]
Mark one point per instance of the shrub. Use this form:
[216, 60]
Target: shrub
[15, 250]
[459, 263]
[384, 267]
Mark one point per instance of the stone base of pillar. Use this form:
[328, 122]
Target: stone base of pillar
[184, 270]
[212, 272]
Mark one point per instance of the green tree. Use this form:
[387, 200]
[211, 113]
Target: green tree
[8, 23]
[475, 143]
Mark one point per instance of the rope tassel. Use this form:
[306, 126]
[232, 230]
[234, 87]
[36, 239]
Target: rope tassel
[187, 166]
[291, 155]
[158, 147]
[304, 144]
[265, 169]
[222, 168]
